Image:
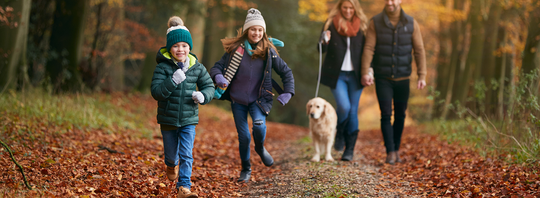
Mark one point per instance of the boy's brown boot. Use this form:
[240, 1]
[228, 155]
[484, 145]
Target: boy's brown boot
[186, 193]
[172, 172]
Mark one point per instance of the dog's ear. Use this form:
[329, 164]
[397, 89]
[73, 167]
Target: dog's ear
[326, 109]
[307, 107]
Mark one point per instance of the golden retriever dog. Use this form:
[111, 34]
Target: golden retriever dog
[322, 127]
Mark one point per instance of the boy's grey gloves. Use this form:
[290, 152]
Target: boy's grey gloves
[179, 76]
[198, 97]
[221, 81]
[284, 98]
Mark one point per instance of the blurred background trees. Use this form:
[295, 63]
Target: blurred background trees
[478, 50]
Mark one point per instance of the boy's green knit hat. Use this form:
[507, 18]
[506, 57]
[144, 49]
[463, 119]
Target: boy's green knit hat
[177, 32]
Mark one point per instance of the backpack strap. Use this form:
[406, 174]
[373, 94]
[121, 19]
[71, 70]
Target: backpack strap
[277, 87]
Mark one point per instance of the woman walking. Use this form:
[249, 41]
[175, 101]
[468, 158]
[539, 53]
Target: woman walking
[343, 41]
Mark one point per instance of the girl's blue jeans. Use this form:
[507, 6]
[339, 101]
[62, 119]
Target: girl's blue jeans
[347, 94]
[240, 113]
[178, 147]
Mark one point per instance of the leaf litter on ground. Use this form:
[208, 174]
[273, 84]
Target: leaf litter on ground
[67, 161]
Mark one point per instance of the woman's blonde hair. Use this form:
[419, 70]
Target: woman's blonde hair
[337, 10]
[231, 44]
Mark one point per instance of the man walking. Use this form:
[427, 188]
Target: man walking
[391, 38]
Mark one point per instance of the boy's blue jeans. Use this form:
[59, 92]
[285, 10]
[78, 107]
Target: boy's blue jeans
[178, 147]
[240, 113]
[347, 94]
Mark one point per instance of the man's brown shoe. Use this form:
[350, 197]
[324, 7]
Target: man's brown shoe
[172, 172]
[186, 193]
[391, 157]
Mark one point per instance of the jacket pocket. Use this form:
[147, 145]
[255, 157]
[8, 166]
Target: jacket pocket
[167, 106]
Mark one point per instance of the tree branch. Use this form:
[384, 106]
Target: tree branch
[101, 147]
[16, 163]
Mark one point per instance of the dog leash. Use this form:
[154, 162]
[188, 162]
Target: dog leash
[320, 65]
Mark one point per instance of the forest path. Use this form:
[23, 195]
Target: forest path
[73, 161]
[300, 177]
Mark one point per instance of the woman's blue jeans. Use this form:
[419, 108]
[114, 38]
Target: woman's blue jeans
[178, 147]
[347, 94]
[240, 113]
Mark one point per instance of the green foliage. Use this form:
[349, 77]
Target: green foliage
[70, 111]
[305, 140]
[514, 136]
[317, 185]
[419, 106]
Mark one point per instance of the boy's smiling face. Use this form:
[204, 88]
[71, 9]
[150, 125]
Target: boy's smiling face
[180, 51]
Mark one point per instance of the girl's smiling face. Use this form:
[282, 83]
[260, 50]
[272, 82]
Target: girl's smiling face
[180, 51]
[255, 33]
[347, 10]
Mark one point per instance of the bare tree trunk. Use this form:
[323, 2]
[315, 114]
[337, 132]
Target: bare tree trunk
[107, 70]
[505, 61]
[531, 53]
[89, 70]
[147, 71]
[474, 57]
[13, 39]
[510, 73]
[214, 32]
[501, 74]
[196, 22]
[460, 41]
[116, 70]
[488, 59]
[42, 13]
[443, 66]
[22, 73]
[231, 26]
[66, 43]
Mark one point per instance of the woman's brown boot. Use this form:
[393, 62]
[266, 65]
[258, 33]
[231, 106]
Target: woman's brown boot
[398, 160]
[391, 157]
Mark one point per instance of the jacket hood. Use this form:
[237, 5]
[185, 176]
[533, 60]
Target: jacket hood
[164, 56]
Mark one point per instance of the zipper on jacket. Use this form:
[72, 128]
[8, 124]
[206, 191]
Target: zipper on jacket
[181, 102]
[264, 78]
[182, 85]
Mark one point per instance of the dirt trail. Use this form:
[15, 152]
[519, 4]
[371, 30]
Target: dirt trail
[432, 168]
[301, 178]
[361, 177]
